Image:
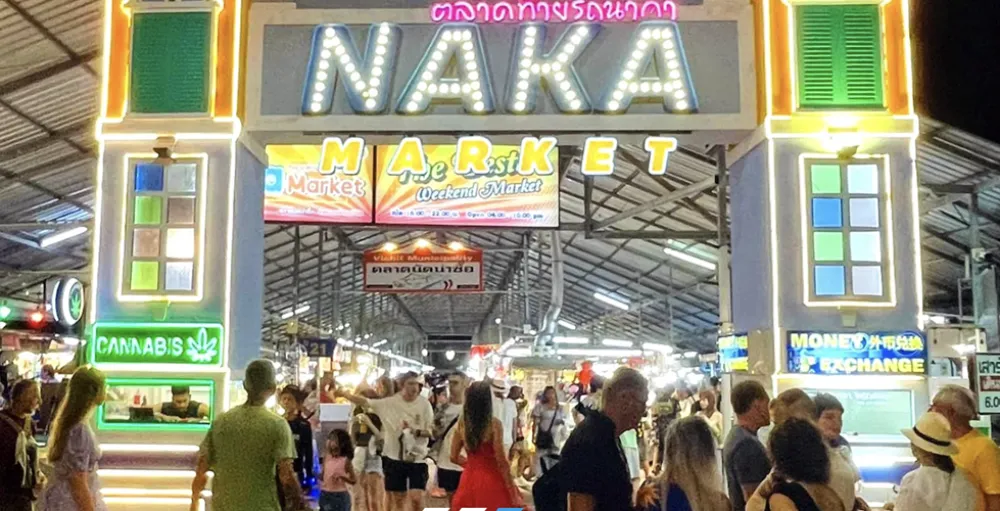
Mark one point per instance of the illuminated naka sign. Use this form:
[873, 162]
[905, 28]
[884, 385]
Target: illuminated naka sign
[157, 343]
[557, 11]
[856, 353]
[474, 155]
[454, 70]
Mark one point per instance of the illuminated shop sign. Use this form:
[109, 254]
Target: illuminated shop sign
[733, 352]
[157, 343]
[556, 11]
[473, 183]
[651, 68]
[856, 353]
[331, 183]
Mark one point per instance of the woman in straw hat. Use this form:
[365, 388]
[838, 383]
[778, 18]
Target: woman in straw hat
[936, 485]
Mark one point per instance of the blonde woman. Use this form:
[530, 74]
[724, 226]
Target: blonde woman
[73, 450]
[690, 479]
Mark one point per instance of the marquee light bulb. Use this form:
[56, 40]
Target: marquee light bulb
[535, 67]
[378, 60]
[454, 41]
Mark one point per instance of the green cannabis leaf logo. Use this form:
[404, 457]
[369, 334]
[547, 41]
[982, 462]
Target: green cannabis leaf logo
[76, 302]
[202, 349]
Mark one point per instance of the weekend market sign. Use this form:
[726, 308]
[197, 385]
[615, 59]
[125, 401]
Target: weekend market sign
[856, 353]
[628, 68]
[157, 343]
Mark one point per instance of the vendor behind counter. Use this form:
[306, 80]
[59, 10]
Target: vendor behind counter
[181, 408]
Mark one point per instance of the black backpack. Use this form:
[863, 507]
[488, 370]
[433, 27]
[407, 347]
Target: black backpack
[547, 491]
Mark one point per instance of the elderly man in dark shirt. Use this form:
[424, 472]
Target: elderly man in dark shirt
[19, 476]
[594, 471]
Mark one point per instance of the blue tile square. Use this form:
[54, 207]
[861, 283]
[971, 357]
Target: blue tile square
[148, 177]
[274, 180]
[827, 212]
[829, 281]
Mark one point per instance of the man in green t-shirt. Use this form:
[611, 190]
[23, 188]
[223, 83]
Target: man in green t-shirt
[243, 448]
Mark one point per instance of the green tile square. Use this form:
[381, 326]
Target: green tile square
[825, 178]
[145, 275]
[148, 210]
[828, 246]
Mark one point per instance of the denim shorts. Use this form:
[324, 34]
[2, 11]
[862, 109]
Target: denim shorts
[335, 501]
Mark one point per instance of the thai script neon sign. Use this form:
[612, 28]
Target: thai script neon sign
[555, 11]
[157, 343]
[454, 70]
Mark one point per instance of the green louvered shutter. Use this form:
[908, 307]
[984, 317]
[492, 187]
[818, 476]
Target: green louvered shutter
[170, 62]
[839, 50]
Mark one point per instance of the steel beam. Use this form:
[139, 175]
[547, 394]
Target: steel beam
[687, 191]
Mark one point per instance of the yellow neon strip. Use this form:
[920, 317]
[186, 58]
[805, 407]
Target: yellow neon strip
[807, 283]
[164, 368]
[768, 77]
[153, 501]
[853, 381]
[908, 52]
[144, 492]
[151, 137]
[144, 474]
[148, 448]
[199, 256]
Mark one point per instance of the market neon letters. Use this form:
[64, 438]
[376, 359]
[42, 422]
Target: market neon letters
[152, 343]
[454, 69]
[599, 156]
[472, 153]
[659, 149]
[342, 156]
[535, 156]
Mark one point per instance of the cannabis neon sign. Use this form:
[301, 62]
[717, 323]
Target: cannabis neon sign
[157, 343]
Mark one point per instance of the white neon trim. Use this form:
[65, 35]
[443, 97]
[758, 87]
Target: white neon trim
[775, 281]
[98, 217]
[917, 255]
[201, 195]
[886, 193]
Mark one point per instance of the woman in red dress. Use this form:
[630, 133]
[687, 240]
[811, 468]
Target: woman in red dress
[486, 480]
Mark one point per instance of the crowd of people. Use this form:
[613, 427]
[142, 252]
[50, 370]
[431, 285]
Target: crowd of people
[781, 454]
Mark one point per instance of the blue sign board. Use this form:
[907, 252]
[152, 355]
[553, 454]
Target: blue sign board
[733, 352]
[857, 353]
[317, 347]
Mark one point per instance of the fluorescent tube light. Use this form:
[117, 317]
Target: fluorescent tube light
[566, 324]
[691, 354]
[289, 313]
[571, 340]
[688, 258]
[600, 352]
[661, 348]
[52, 239]
[380, 343]
[614, 302]
[617, 343]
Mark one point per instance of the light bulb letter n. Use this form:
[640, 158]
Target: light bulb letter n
[365, 79]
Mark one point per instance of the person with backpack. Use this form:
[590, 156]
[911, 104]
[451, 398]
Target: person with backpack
[801, 477]
[366, 435]
[546, 419]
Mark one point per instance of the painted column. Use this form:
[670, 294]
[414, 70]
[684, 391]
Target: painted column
[825, 219]
[164, 238]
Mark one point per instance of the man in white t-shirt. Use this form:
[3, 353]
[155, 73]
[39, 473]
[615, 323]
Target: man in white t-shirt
[407, 422]
[504, 410]
[446, 419]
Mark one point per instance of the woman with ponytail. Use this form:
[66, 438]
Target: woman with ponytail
[73, 450]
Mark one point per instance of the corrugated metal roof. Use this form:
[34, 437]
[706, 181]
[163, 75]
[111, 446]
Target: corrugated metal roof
[47, 162]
